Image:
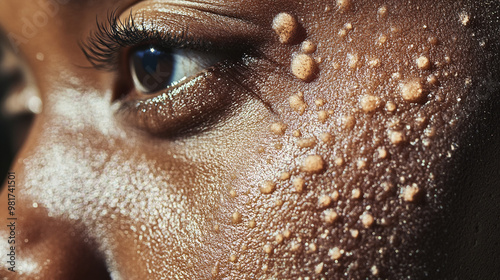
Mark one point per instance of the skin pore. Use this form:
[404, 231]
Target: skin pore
[341, 140]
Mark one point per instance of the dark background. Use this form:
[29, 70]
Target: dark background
[13, 128]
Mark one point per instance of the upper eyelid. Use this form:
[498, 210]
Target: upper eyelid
[104, 43]
[210, 23]
[170, 29]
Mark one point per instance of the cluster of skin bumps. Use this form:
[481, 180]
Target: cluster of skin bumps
[357, 184]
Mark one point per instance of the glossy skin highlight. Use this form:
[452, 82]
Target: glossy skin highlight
[348, 173]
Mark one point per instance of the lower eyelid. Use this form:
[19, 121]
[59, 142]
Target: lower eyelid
[190, 107]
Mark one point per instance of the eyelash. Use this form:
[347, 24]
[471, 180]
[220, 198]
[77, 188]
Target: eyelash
[104, 46]
[108, 47]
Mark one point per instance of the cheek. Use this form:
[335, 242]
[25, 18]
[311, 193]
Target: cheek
[168, 205]
[354, 174]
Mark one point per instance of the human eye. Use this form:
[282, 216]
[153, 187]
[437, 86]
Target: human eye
[173, 79]
[154, 69]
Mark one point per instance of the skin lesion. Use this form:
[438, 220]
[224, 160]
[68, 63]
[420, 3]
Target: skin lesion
[368, 157]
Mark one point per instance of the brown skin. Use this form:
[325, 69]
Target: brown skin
[113, 196]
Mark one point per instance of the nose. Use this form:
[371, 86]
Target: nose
[37, 246]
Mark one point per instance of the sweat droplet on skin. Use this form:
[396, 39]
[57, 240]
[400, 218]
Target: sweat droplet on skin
[268, 187]
[313, 164]
[397, 30]
[447, 60]
[412, 90]
[430, 131]
[278, 128]
[297, 103]
[387, 186]
[304, 67]
[426, 142]
[285, 25]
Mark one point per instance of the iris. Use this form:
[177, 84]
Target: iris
[153, 69]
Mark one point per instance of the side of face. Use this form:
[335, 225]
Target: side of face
[339, 144]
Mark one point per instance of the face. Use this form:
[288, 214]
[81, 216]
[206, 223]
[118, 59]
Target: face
[256, 139]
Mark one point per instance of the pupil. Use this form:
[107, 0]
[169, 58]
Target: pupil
[152, 69]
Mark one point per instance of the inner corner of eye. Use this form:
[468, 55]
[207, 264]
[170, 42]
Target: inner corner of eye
[153, 68]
